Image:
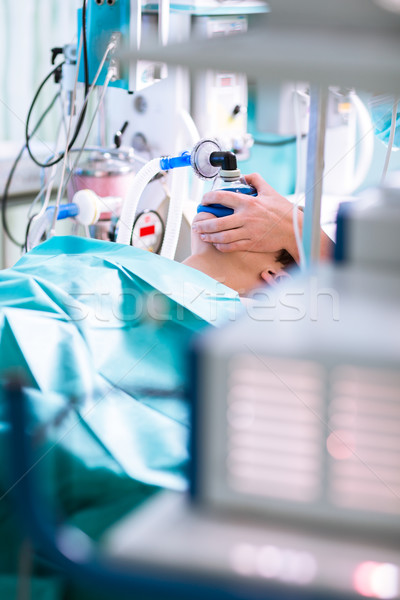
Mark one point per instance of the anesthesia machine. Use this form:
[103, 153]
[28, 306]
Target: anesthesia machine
[118, 115]
[143, 109]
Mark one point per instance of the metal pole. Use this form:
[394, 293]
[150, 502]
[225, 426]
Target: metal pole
[314, 175]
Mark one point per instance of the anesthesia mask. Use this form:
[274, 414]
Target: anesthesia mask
[229, 179]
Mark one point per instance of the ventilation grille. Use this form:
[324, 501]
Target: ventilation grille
[275, 428]
[363, 439]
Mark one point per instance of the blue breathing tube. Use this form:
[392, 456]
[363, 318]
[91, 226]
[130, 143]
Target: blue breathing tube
[172, 162]
[67, 210]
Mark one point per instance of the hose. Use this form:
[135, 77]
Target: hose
[129, 207]
[175, 210]
[391, 140]
[365, 141]
[197, 184]
[299, 171]
[179, 185]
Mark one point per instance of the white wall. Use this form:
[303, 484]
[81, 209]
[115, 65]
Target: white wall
[28, 30]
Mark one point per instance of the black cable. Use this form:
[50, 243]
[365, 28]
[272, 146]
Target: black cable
[82, 116]
[85, 52]
[27, 134]
[4, 198]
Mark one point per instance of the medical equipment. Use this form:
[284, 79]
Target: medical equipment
[160, 121]
[148, 231]
[200, 159]
[284, 110]
[108, 172]
[68, 73]
[349, 143]
[98, 22]
[229, 179]
[275, 104]
[219, 99]
[86, 208]
[38, 224]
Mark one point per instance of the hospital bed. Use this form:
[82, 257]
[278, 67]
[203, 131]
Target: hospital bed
[98, 333]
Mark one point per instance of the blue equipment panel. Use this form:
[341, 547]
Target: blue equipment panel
[102, 21]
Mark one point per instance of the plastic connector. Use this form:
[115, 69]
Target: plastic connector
[172, 162]
[114, 67]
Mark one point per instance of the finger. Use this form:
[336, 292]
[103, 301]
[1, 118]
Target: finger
[232, 200]
[224, 237]
[216, 225]
[241, 245]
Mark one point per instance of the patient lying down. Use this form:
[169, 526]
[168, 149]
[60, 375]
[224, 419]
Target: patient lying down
[241, 271]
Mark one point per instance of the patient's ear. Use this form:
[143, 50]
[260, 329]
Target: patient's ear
[273, 275]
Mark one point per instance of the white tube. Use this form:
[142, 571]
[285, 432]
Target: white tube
[101, 98]
[197, 185]
[179, 188]
[391, 140]
[190, 126]
[129, 207]
[174, 220]
[299, 171]
[163, 21]
[366, 140]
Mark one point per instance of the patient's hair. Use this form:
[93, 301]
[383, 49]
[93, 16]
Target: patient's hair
[285, 258]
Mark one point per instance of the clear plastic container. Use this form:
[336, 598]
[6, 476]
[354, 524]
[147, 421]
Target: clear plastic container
[234, 184]
[228, 181]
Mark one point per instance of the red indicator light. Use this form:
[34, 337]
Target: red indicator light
[150, 230]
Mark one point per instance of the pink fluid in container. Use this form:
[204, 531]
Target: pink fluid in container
[108, 174]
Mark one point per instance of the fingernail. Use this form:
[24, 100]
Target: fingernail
[194, 228]
[203, 237]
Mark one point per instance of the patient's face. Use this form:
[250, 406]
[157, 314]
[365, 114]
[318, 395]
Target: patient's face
[241, 271]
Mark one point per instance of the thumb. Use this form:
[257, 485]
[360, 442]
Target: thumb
[259, 183]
